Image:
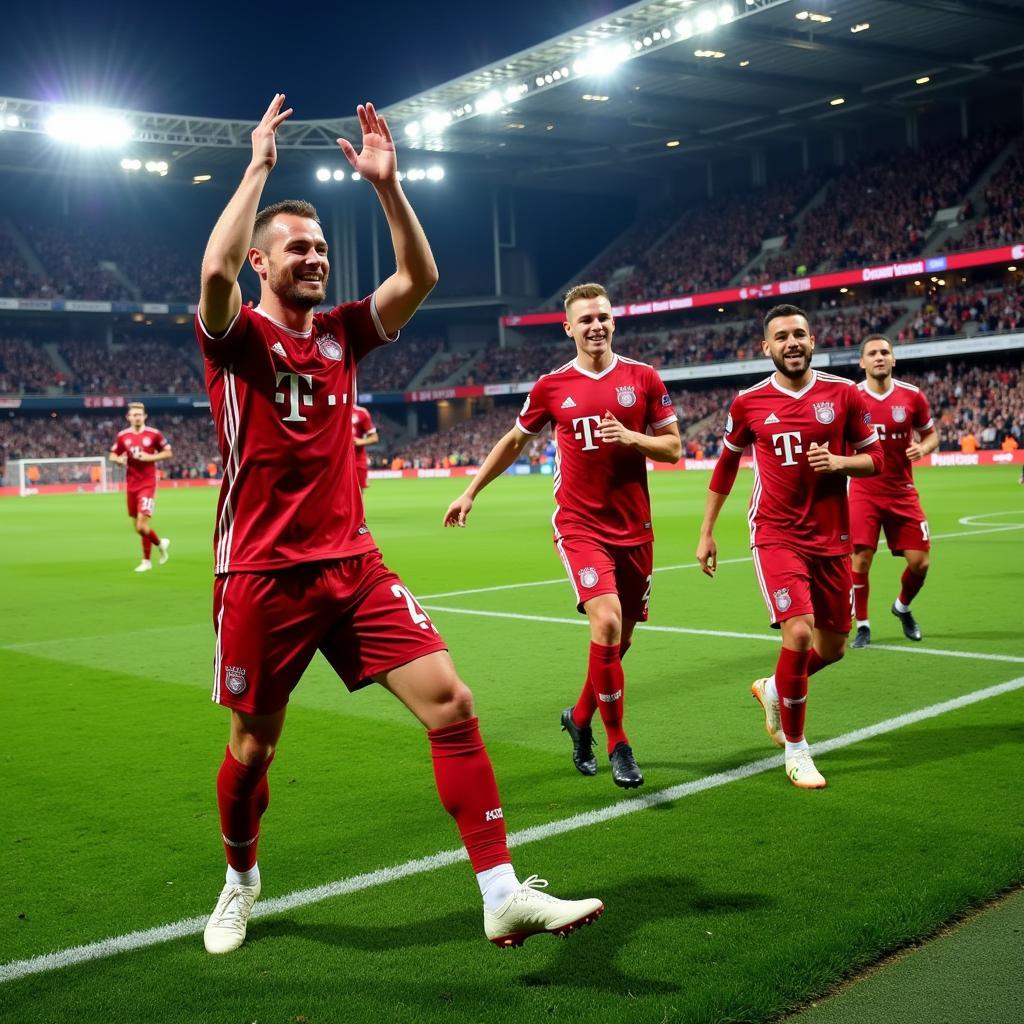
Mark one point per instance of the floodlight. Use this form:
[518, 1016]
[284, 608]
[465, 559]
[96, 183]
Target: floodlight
[684, 28]
[540, 80]
[511, 94]
[436, 121]
[89, 128]
[12, 121]
[131, 164]
[725, 14]
[412, 129]
[489, 103]
[556, 75]
[435, 173]
[706, 20]
[323, 174]
[356, 176]
[837, 102]
[923, 80]
[338, 175]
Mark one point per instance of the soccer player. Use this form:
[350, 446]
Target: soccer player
[602, 406]
[889, 501]
[799, 421]
[364, 433]
[296, 568]
[140, 448]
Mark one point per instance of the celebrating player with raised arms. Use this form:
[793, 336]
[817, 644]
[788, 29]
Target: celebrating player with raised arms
[140, 448]
[799, 422]
[889, 501]
[601, 406]
[296, 567]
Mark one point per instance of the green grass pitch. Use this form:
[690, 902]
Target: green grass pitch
[732, 903]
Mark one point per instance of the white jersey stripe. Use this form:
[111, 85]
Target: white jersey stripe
[568, 569]
[759, 573]
[225, 527]
[217, 647]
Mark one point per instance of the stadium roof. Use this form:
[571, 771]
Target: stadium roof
[661, 80]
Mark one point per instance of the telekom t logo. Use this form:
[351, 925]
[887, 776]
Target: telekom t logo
[788, 444]
[584, 427]
[294, 394]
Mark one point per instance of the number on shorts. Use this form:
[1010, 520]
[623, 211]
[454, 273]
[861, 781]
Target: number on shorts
[146, 506]
[924, 529]
[418, 616]
[646, 599]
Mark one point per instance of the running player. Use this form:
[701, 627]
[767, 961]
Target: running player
[364, 433]
[798, 421]
[140, 448]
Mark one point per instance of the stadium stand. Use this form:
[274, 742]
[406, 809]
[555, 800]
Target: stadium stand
[1002, 221]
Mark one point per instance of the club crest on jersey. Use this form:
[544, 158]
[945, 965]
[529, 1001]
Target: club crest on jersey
[824, 412]
[234, 679]
[329, 347]
[899, 413]
[782, 599]
[728, 423]
[588, 577]
[626, 396]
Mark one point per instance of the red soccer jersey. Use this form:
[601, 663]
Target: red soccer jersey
[281, 402]
[362, 426]
[600, 488]
[792, 505]
[141, 476]
[895, 415]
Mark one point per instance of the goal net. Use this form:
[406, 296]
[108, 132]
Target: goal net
[92, 474]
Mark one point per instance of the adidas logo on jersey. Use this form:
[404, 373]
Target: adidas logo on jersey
[568, 404]
[772, 418]
[278, 348]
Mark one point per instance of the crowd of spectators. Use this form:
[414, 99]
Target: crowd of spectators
[881, 208]
[952, 311]
[392, 367]
[131, 367]
[26, 368]
[446, 365]
[1003, 220]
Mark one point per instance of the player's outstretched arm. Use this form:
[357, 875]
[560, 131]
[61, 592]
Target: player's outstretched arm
[220, 297]
[400, 295]
[499, 458]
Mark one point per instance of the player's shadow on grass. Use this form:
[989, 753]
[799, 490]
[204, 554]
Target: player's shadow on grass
[908, 749]
[632, 905]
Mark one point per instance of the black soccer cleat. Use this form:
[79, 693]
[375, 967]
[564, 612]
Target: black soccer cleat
[582, 744]
[911, 630]
[625, 771]
[862, 639]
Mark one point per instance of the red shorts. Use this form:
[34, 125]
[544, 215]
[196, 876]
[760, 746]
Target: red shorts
[903, 521]
[363, 477]
[595, 568]
[142, 502]
[793, 583]
[269, 626]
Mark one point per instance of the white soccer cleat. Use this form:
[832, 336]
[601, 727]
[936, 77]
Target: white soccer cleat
[164, 545]
[225, 931]
[802, 773]
[528, 911]
[144, 566]
[772, 719]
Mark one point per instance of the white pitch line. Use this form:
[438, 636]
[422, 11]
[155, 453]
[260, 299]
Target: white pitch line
[727, 634]
[305, 897]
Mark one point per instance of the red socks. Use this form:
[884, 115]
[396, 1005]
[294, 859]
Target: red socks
[583, 712]
[242, 796]
[791, 683]
[609, 685]
[815, 662]
[910, 584]
[147, 545]
[469, 793]
[860, 595]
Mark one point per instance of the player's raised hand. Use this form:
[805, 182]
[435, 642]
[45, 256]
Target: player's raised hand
[457, 511]
[264, 135]
[707, 555]
[821, 459]
[612, 431]
[377, 162]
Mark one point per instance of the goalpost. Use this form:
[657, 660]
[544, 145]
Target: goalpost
[92, 474]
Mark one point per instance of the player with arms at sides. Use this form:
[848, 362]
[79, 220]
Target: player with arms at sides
[601, 406]
[364, 433]
[890, 501]
[798, 421]
[296, 567]
[140, 448]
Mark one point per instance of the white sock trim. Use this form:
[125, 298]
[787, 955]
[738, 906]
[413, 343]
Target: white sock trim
[496, 885]
[250, 877]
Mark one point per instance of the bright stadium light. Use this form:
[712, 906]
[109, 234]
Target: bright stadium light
[88, 128]
[12, 121]
[684, 28]
[323, 174]
[412, 129]
[489, 103]
[131, 164]
[436, 121]
[707, 20]
[435, 173]
[338, 175]
[725, 14]
[356, 176]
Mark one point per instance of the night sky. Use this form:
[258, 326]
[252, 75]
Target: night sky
[219, 60]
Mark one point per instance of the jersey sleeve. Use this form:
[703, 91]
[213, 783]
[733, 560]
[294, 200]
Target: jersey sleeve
[162, 444]
[923, 422]
[118, 446]
[660, 412]
[858, 431]
[737, 428]
[221, 349]
[360, 326]
[534, 415]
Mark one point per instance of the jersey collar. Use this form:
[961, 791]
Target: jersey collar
[875, 395]
[795, 394]
[277, 323]
[597, 376]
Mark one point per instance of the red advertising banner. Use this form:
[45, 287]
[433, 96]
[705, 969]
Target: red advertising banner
[795, 286]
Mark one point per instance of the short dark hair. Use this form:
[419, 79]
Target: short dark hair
[296, 207]
[874, 337]
[783, 309]
[590, 290]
